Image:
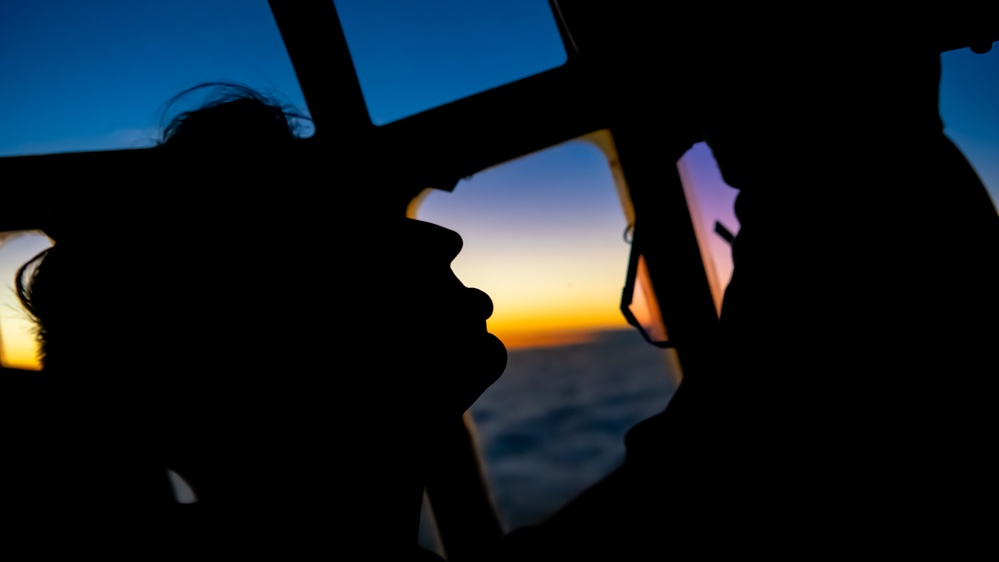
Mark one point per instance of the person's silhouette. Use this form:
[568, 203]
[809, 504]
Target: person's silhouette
[851, 402]
[284, 359]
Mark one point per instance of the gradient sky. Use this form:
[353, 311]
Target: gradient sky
[543, 234]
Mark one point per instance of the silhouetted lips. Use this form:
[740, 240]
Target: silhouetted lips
[480, 357]
[494, 351]
[479, 303]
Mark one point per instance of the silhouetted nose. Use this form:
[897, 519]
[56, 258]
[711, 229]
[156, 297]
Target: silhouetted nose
[436, 242]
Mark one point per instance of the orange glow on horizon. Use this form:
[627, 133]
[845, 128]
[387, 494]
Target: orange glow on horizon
[547, 328]
[20, 357]
[18, 346]
[552, 326]
[515, 340]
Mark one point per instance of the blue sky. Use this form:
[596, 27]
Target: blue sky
[95, 75]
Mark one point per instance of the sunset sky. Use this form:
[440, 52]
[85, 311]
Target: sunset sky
[543, 234]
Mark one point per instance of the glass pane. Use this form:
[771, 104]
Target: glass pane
[411, 56]
[969, 90]
[645, 304]
[18, 348]
[544, 238]
[712, 211]
[95, 75]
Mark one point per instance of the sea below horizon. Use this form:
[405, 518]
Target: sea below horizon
[555, 421]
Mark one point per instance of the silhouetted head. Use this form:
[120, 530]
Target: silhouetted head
[133, 274]
[234, 117]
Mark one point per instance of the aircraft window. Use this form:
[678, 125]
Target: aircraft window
[544, 237]
[18, 349]
[969, 88]
[711, 202]
[80, 76]
[416, 55]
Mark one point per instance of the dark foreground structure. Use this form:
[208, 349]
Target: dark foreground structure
[865, 234]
